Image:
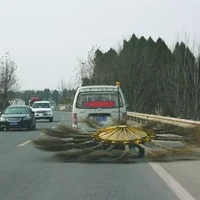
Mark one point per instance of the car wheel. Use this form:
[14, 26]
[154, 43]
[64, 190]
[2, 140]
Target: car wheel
[30, 127]
[1, 129]
[51, 119]
[34, 126]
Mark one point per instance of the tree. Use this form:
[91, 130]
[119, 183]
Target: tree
[179, 81]
[153, 78]
[8, 78]
[46, 94]
[85, 69]
[196, 89]
[61, 86]
[56, 96]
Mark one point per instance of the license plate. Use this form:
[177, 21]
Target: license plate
[101, 119]
[44, 114]
[13, 123]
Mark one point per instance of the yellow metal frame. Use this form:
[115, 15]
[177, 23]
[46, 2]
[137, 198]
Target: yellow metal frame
[123, 134]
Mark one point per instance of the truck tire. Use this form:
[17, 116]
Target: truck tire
[141, 152]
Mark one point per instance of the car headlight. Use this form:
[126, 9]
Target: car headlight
[2, 119]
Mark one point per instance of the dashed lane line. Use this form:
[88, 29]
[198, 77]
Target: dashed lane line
[24, 143]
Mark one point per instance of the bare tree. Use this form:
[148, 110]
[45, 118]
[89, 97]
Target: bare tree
[70, 84]
[61, 86]
[8, 78]
[85, 68]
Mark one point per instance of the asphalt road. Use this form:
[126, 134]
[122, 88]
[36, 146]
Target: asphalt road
[29, 174]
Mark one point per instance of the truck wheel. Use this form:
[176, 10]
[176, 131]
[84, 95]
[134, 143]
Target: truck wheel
[141, 152]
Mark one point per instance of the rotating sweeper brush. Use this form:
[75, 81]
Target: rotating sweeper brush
[117, 144]
[120, 143]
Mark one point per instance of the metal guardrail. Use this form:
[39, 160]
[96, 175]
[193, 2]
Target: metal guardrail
[141, 118]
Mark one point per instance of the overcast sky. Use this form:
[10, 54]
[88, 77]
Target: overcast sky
[47, 37]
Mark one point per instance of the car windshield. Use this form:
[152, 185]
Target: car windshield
[98, 100]
[16, 110]
[41, 105]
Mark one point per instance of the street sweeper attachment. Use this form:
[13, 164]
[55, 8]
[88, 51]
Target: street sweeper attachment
[115, 143]
[120, 143]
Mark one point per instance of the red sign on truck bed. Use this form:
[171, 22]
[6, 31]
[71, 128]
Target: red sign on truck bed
[99, 104]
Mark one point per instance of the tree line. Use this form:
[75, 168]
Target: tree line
[154, 78]
[60, 97]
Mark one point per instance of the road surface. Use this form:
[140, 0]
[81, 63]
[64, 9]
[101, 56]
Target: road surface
[29, 174]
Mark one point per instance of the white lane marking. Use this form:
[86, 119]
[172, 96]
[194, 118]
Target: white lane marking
[175, 186]
[28, 141]
[24, 143]
[56, 125]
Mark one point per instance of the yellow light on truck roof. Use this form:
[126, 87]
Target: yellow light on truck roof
[118, 84]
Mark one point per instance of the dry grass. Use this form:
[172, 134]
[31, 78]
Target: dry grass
[55, 147]
[192, 137]
[91, 123]
[116, 122]
[56, 133]
[151, 125]
[167, 138]
[188, 135]
[49, 140]
[125, 156]
[58, 144]
[158, 153]
[94, 156]
[176, 153]
[91, 155]
[68, 129]
[63, 147]
[63, 131]
[72, 155]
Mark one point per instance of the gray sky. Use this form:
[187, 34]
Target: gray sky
[46, 37]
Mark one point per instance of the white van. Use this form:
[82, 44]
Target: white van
[99, 103]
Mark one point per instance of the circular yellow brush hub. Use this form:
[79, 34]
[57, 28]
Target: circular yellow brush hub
[123, 134]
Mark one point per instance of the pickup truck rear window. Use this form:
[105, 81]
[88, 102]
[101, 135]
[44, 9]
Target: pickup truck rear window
[98, 100]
